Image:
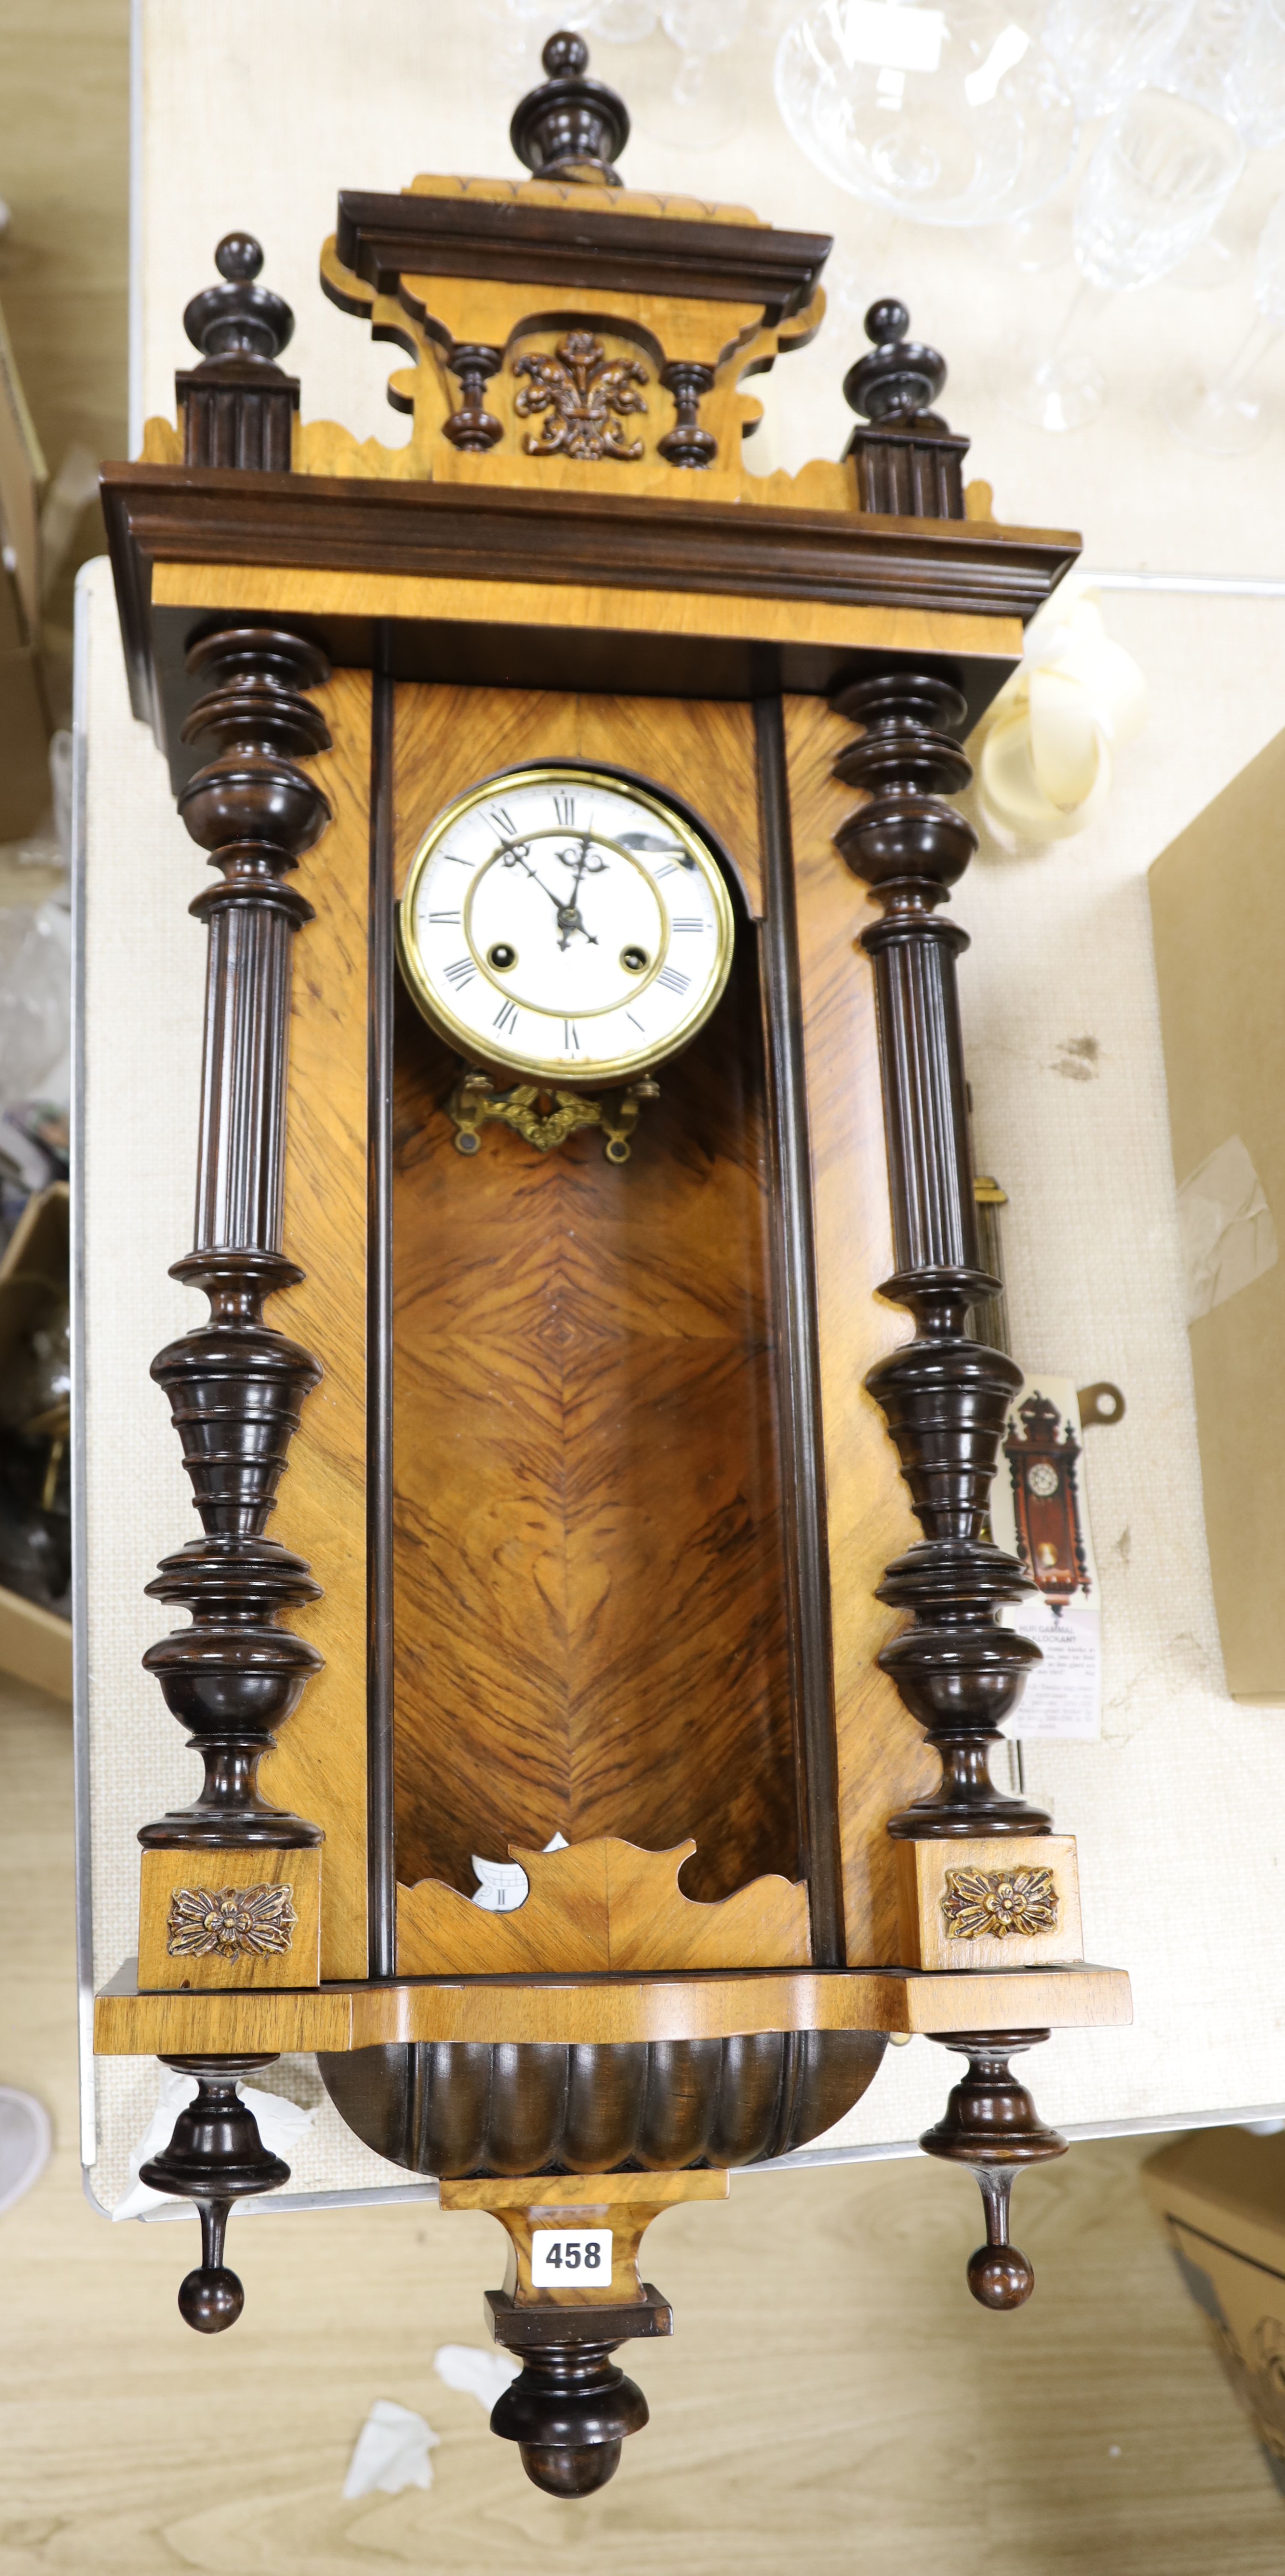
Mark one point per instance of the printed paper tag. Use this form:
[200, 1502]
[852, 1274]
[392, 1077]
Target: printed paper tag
[504, 1884]
[1039, 1515]
[561, 2256]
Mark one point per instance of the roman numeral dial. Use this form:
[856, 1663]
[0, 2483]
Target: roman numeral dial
[566, 923]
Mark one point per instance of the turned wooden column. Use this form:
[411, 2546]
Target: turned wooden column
[687, 443]
[473, 429]
[945, 1396]
[235, 1384]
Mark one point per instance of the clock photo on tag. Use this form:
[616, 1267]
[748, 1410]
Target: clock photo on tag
[565, 922]
[1039, 1514]
[562, 2257]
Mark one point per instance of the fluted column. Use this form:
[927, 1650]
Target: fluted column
[236, 1385]
[946, 1398]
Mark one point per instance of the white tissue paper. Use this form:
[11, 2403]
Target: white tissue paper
[281, 2125]
[475, 2372]
[392, 2452]
[25, 2143]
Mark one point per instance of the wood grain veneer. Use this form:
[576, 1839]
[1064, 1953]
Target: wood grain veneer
[603, 1905]
[602, 605]
[568, 2010]
[590, 1594]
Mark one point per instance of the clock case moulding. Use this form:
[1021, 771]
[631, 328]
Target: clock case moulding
[618, 1500]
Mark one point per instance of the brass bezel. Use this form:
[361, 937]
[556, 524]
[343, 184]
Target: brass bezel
[549, 1069]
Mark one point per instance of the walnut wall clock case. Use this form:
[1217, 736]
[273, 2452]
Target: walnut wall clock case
[618, 1248]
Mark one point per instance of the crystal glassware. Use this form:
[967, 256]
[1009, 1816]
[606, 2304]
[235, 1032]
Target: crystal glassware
[623, 22]
[1158, 180]
[699, 111]
[953, 115]
[1106, 49]
[1230, 414]
[1200, 66]
[1256, 78]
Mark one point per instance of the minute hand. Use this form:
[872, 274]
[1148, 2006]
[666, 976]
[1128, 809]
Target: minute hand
[513, 852]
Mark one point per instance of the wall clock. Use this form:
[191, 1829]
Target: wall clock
[565, 922]
[630, 1537]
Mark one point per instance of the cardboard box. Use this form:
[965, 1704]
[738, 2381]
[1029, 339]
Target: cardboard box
[1218, 913]
[1220, 2195]
[24, 712]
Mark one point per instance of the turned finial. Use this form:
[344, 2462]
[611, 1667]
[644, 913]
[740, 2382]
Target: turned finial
[572, 126]
[992, 2126]
[897, 379]
[239, 319]
[569, 2411]
[215, 2158]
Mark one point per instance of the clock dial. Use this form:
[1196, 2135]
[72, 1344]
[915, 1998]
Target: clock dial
[566, 923]
[1042, 1479]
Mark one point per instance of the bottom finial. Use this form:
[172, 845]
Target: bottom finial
[992, 2126]
[569, 2410]
[215, 2157]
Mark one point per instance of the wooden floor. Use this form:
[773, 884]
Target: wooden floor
[831, 2402]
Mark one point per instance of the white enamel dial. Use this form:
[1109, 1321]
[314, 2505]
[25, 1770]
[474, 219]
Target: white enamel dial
[566, 923]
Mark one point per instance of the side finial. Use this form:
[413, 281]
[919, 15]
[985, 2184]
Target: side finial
[897, 379]
[238, 406]
[992, 2126]
[571, 127]
[215, 2157]
[909, 462]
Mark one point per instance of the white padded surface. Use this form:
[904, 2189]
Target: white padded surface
[1178, 1809]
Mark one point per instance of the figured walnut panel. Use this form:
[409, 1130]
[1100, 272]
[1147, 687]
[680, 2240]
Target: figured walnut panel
[698, 749]
[590, 1594]
[883, 1763]
[606, 1906]
[319, 1767]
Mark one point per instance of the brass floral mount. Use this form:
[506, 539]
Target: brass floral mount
[579, 389]
[475, 1102]
[999, 1904]
[237, 1922]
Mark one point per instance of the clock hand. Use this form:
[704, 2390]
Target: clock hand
[569, 915]
[512, 852]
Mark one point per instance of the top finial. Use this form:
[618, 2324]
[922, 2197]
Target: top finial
[898, 379]
[239, 319]
[571, 127]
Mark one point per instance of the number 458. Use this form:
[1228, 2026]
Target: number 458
[557, 2255]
